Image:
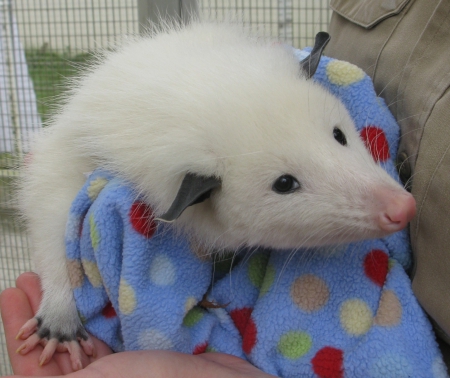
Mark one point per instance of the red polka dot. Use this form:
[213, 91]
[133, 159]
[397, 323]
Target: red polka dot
[141, 218]
[246, 327]
[328, 363]
[201, 348]
[375, 140]
[249, 340]
[109, 312]
[240, 318]
[376, 265]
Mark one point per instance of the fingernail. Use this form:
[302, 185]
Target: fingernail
[21, 348]
[19, 335]
[42, 360]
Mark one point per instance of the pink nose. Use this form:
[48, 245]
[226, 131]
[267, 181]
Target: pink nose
[398, 211]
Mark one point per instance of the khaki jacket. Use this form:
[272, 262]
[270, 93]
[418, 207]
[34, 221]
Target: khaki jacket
[404, 45]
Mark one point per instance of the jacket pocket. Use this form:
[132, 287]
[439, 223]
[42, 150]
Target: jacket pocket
[367, 13]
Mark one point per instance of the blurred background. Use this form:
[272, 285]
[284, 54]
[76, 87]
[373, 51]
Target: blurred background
[44, 42]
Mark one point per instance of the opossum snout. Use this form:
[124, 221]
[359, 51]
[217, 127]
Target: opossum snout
[397, 210]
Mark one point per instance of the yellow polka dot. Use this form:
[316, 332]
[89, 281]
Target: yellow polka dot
[127, 298]
[75, 271]
[95, 236]
[389, 310]
[190, 303]
[96, 187]
[309, 292]
[343, 73]
[356, 317]
[92, 273]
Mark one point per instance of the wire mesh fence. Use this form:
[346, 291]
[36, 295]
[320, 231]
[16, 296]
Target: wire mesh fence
[44, 42]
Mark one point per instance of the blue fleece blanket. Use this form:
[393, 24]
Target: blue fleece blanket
[329, 313]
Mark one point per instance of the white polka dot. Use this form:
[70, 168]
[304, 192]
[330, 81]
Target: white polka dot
[73, 228]
[439, 369]
[162, 271]
[151, 339]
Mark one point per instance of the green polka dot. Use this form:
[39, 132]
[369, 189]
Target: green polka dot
[193, 317]
[95, 237]
[269, 278]
[294, 345]
[257, 269]
[210, 349]
[391, 264]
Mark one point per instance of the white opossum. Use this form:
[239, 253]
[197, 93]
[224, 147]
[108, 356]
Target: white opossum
[285, 165]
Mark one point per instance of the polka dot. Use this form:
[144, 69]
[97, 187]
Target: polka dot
[95, 236]
[210, 349]
[389, 311]
[201, 348]
[92, 273]
[127, 298]
[391, 366]
[151, 339]
[309, 292]
[95, 187]
[75, 271]
[328, 363]
[108, 311]
[246, 327]
[193, 317]
[438, 368]
[356, 317]
[343, 73]
[190, 303]
[249, 339]
[376, 265]
[240, 318]
[141, 218]
[294, 345]
[257, 268]
[268, 281]
[73, 227]
[162, 271]
[376, 142]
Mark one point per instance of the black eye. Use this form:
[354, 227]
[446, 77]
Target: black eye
[339, 136]
[285, 184]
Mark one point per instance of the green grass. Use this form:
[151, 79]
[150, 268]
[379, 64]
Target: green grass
[49, 72]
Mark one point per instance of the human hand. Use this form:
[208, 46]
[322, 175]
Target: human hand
[21, 303]
[17, 306]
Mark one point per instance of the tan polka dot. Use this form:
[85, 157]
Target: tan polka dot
[343, 73]
[309, 292]
[356, 317]
[92, 273]
[389, 311]
[75, 271]
[127, 298]
[96, 187]
[200, 250]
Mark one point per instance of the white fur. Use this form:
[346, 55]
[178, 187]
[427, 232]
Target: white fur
[213, 100]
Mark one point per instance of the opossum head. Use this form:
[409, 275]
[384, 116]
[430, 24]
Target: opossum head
[269, 157]
[299, 178]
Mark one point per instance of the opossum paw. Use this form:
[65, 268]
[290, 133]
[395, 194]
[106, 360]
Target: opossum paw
[76, 341]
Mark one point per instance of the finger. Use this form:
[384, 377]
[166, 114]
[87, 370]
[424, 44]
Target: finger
[30, 284]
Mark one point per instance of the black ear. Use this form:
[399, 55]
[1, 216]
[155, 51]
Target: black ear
[309, 65]
[194, 189]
